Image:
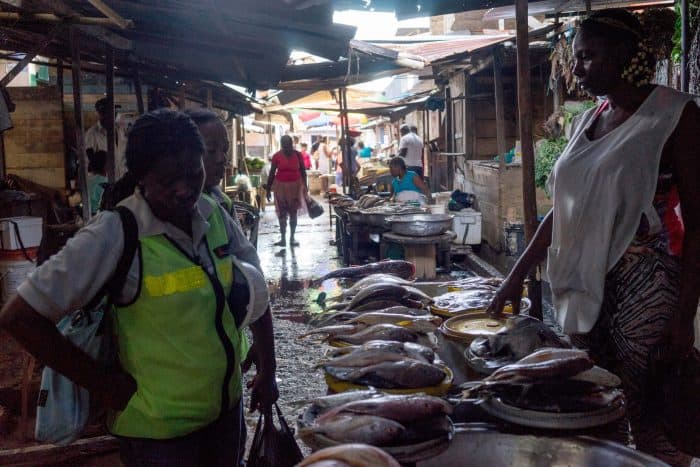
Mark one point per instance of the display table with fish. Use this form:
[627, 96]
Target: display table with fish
[409, 428]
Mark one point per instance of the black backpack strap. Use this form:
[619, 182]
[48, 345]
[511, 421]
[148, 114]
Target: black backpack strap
[115, 284]
[130, 229]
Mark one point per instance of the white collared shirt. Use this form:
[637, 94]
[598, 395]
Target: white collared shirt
[72, 277]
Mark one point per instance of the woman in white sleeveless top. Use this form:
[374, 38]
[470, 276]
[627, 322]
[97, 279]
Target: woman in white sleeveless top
[622, 265]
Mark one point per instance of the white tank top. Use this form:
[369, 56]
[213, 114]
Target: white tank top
[600, 189]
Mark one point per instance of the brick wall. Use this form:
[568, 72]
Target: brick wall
[34, 148]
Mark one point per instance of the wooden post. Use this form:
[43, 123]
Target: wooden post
[111, 134]
[526, 144]
[139, 92]
[500, 111]
[685, 49]
[60, 85]
[78, 111]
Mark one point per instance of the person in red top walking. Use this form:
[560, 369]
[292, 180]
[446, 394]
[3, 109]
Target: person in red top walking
[306, 157]
[288, 181]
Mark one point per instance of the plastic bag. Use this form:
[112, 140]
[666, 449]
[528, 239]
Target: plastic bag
[315, 209]
[272, 446]
[63, 408]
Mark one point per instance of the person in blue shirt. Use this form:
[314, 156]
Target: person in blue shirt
[364, 151]
[406, 185]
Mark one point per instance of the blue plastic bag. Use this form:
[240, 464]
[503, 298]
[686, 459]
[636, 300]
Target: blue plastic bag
[63, 407]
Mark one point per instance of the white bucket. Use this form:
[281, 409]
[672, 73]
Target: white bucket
[12, 274]
[437, 208]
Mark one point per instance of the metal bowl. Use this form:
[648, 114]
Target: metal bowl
[488, 447]
[421, 225]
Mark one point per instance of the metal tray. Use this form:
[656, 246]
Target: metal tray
[421, 225]
[553, 420]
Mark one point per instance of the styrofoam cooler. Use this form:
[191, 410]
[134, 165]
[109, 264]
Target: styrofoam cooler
[30, 230]
[467, 225]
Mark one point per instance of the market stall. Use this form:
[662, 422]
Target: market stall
[419, 370]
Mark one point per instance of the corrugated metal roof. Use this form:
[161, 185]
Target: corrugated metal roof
[433, 52]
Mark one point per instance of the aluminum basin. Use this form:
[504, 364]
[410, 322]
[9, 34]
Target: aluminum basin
[421, 225]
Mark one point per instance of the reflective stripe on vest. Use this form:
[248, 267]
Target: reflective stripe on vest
[179, 341]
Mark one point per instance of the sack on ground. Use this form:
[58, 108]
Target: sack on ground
[272, 446]
[63, 407]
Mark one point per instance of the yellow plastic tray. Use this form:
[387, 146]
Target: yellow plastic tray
[335, 385]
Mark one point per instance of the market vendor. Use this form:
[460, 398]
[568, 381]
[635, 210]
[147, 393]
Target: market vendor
[622, 286]
[175, 392]
[407, 185]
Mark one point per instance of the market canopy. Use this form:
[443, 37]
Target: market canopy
[244, 42]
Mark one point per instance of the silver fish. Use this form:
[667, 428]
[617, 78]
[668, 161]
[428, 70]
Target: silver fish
[335, 400]
[387, 332]
[369, 429]
[333, 331]
[404, 374]
[401, 408]
[363, 357]
[430, 322]
[367, 281]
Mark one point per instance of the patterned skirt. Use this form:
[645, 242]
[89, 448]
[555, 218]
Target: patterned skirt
[641, 294]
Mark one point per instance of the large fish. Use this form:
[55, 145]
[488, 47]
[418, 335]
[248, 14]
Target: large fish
[407, 349]
[381, 304]
[335, 400]
[399, 268]
[401, 408]
[367, 281]
[387, 291]
[541, 366]
[368, 429]
[428, 323]
[363, 357]
[404, 374]
[332, 332]
[388, 332]
[521, 336]
[354, 455]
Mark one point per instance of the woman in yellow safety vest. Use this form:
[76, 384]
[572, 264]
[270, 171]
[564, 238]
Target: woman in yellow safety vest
[175, 394]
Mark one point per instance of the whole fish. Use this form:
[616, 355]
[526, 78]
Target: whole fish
[334, 331]
[387, 332]
[334, 400]
[369, 429]
[387, 291]
[544, 364]
[363, 357]
[388, 303]
[328, 319]
[355, 455]
[404, 374]
[399, 268]
[367, 281]
[401, 310]
[401, 408]
[426, 323]
[408, 349]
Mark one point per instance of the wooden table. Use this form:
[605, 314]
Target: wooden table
[421, 251]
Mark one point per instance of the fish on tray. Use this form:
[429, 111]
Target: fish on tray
[404, 374]
[428, 323]
[387, 332]
[384, 291]
[367, 281]
[519, 337]
[404, 349]
[349, 428]
[454, 302]
[349, 455]
[400, 408]
[543, 366]
[400, 268]
[331, 332]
